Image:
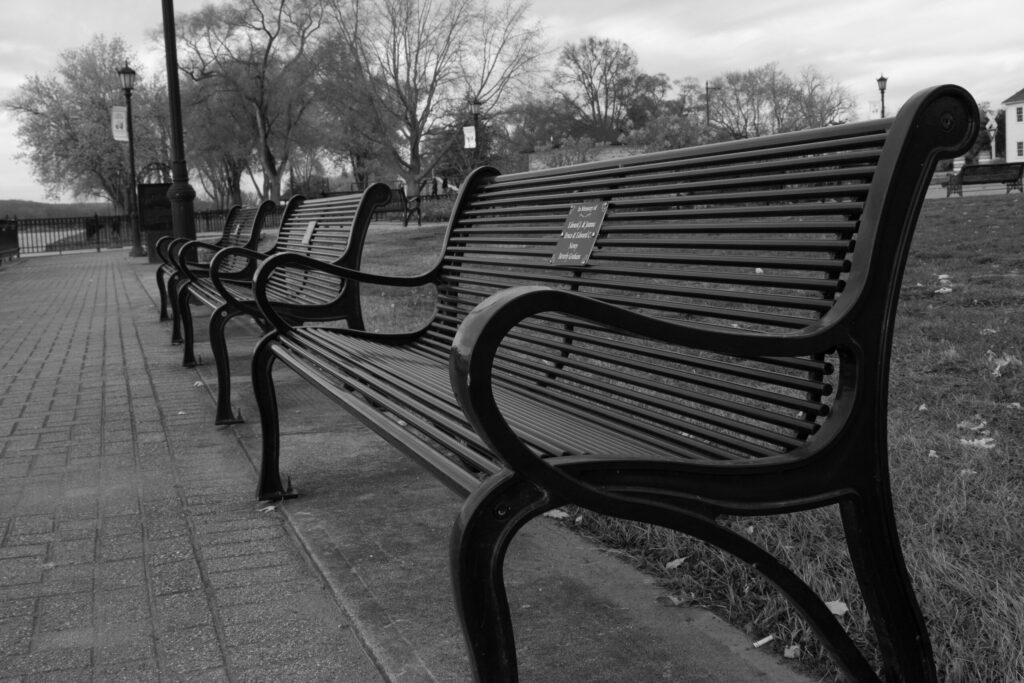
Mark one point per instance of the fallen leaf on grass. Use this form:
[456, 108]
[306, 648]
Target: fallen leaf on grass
[837, 607]
[678, 562]
[1002, 363]
[791, 652]
[986, 442]
[976, 426]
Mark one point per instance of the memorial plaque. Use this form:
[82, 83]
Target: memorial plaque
[308, 236]
[579, 235]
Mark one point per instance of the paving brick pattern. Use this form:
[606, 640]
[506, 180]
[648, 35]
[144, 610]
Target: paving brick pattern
[130, 545]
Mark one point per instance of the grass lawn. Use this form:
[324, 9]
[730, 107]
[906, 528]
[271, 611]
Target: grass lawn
[956, 430]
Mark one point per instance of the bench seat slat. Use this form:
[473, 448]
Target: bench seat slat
[384, 377]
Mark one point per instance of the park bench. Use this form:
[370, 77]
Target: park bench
[667, 338]
[242, 227]
[401, 206]
[982, 174]
[329, 230]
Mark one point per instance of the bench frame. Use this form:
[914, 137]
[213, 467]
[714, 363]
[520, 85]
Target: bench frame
[230, 296]
[497, 464]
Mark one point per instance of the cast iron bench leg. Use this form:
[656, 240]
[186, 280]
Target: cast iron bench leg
[162, 287]
[187, 333]
[270, 486]
[218, 321]
[489, 519]
[878, 561]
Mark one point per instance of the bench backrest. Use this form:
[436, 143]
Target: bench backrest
[772, 236]
[242, 228]
[329, 229]
[995, 173]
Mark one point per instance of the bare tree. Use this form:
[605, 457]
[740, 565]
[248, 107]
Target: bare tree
[765, 100]
[420, 62]
[262, 54]
[600, 79]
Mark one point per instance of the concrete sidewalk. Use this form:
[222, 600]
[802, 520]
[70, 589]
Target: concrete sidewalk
[131, 547]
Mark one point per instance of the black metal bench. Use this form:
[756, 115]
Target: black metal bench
[723, 350]
[328, 230]
[401, 206]
[242, 227]
[982, 174]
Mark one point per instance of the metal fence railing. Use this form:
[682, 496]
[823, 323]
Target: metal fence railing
[27, 236]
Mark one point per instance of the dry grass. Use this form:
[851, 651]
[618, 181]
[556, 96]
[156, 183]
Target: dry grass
[956, 444]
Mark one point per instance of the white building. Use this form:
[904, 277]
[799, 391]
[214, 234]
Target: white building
[1015, 127]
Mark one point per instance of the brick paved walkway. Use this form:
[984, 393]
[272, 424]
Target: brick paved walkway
[130, 545]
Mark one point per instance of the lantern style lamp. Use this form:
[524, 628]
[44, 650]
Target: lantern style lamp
[127, 76]
[882, 81]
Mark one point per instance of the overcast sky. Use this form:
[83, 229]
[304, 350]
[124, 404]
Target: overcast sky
[915, 43]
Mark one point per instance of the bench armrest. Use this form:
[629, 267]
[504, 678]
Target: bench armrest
[219, 276]
[182, 249]
[165, 246]
[298, 261]
[482, 332]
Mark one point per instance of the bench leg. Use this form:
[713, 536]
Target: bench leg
[489, 519]
[218, 323]
[187, 339]
[178, 293]
[162, 288]
[174, 284]
[270, 486]
[895, 615]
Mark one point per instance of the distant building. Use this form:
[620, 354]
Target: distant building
[1015, 127]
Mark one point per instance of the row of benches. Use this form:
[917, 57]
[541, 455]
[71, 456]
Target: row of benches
[669, 338]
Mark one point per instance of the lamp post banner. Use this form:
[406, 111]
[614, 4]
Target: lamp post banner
[470, 134]
[119, 122]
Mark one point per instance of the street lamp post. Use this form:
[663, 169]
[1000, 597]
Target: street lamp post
[127, 76]
[882, 81]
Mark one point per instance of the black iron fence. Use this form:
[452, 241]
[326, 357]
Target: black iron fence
[59, 235]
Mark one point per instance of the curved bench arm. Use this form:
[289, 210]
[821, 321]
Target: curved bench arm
[298, 261]
[187, 247]
[217, 275]
[481, 333]
[162, 245]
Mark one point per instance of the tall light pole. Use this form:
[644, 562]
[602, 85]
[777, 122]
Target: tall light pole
[882, 81]
[180, 194]
[127, 76]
